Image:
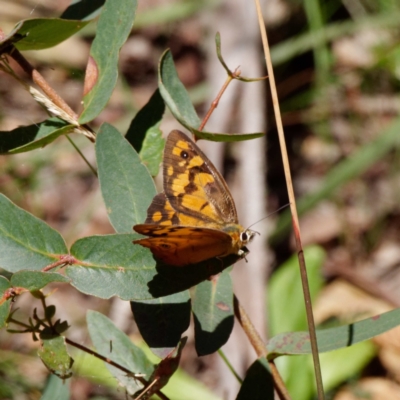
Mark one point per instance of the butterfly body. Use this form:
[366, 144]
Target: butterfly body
[195, 218]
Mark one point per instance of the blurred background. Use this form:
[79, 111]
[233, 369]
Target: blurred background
[337, 67]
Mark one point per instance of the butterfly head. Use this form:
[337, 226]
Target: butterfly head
[247, 236]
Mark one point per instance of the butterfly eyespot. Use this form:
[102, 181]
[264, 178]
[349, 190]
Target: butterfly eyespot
[184, 154]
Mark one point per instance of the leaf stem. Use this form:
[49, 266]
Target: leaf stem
[229, 365]
[215, 103]
[138, 377]
[259, 347]
[240, 313]
[293, 208]
[82, 155]
[41, 82]
[64, 259]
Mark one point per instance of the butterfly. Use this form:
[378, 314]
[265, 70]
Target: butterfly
[195, 218]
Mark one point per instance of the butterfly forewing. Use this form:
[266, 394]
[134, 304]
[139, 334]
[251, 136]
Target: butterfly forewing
[192, 184]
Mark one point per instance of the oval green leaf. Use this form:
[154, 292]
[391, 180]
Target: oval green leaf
[36, 280]
[162, 321]
[125, 183]
[56, 388]
[53, 353]
[110, 342]
[213, 313]
[258, 384]
[148, 117]
[111, 265]
[42, 33]
[174, 93]
[83, 9]
[289, 314]
[26, 242]
[178, 101]
[334, 338]
[26, 138]
[113, 28]
[152, 150]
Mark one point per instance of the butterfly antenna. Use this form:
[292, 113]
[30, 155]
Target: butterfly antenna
[268, 215]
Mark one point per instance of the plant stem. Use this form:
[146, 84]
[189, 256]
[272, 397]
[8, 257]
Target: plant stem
[241, 315]
[229, 365]
[82, 155]
[114, 364]
[64, 259]
[41, 82]
[214, 104]
[259, 347]
[292, 200]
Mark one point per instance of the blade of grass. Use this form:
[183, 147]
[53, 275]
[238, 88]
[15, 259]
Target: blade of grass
[292, 200]
[321, 52]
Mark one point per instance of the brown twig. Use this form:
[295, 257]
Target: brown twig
[41, 82]
[215, 103]
[259, 347]
[64, 259]
[240, 313]
[114, 364]
[292, 200]
[51, 101]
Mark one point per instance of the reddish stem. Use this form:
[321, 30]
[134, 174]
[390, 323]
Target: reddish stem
[64, 259]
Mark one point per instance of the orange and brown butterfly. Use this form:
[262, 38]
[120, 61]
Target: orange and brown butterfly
[195, 218]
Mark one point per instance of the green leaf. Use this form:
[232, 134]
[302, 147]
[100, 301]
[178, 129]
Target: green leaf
[26, 138]
[226, 68]
[174, 93]
[178, 101]
[162, 321]
[42, 33]
[163, 371]
[152, 150]
[258, 384]
[83, 9]
[111, 265]
[5, 301]
[113, 28]
[56, 388]
[343, 172]
[26, 242]
[170, 279]
[288, 314]
[147, 117]
[36, 280]
[224, 137]
[53, 353]
[110, 342]
[213, 313]
[125, 183]
[50, 311]
[357, 357]
[333, 338]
